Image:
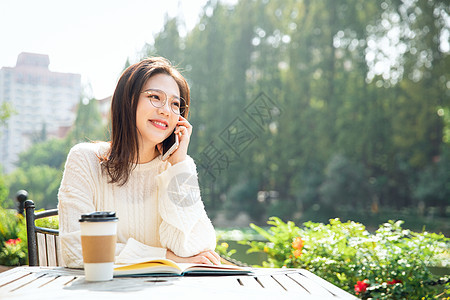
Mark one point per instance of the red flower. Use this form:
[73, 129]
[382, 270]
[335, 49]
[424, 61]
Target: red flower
[394, 281]
[361, 286]
[13, 241]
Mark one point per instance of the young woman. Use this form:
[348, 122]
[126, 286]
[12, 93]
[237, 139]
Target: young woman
[157, 202]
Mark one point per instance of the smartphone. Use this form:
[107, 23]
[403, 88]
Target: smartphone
[170, 145]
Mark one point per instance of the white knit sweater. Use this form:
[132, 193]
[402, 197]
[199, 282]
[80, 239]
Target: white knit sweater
[158, 208]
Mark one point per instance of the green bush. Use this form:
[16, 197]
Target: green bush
[50, 222]
[391, 263]
[10, 226]
[13, 238]
[13, 253]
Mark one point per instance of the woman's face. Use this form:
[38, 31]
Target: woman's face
[156, 124]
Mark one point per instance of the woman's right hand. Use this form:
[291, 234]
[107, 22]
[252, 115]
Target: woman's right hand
[208, 257]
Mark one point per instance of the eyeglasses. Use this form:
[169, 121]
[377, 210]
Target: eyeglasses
[158, 99]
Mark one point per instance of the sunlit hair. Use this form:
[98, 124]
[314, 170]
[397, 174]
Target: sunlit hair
[124, 151]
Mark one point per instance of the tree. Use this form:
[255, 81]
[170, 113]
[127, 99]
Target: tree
[360, 87]
[40, 172]
[347, 181]
[168, 42]
[4, 192]
[52, 153]
[88, 124]
[5, 112]
[42, 183]
[40, 168]
[433, 187]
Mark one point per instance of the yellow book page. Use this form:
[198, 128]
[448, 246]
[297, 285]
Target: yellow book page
[148, 264]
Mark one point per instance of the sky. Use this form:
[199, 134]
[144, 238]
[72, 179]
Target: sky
[93, 38]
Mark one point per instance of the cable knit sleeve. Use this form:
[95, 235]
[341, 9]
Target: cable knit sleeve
[185, 228]
[76, 197]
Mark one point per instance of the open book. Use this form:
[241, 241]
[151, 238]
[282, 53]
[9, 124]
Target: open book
[167, 267]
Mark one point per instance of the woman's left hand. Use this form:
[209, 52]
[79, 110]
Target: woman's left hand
[184, 131]
[208, 257]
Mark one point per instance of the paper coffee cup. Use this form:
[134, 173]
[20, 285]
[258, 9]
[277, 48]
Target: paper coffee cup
[98, 243]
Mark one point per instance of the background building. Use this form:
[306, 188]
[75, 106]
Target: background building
[43, 102]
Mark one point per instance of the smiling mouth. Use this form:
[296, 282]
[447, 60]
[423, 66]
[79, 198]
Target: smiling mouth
[159, 124]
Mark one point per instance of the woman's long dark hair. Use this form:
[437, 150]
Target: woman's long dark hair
[124, 152]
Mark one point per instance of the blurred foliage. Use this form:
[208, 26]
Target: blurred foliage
[5, 112]
[392, 263]
[40, 168]
[51, 153]
[40, 181]
[13, 238]
[50, 222]
[13, 253]
[9, 227]
[345, 180]
[332, 104]
[4, 191]
[88, 124]
[433, 187]
[222, 249]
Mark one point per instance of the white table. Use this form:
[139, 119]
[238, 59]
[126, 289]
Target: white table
[62, 283]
